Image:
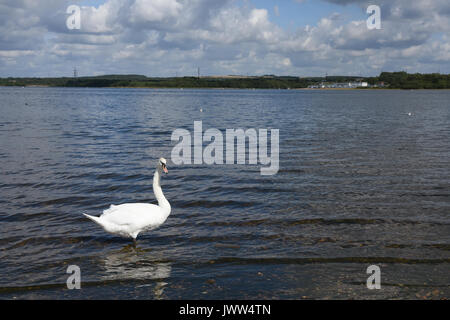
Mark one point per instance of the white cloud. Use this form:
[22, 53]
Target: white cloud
[161, 37]
[154, 10]
[102, 19]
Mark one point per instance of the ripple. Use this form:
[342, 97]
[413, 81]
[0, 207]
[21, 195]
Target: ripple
[214, 204]
[363, 260]
[357, 185]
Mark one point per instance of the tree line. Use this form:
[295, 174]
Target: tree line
[393, 80]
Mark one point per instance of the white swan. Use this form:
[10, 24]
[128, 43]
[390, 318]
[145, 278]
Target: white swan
[130, 219]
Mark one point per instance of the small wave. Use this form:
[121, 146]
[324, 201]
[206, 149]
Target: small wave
[294, 222]
[251, 189]
[57, 201]
[44, 240]
[214, 204]
[365, 260]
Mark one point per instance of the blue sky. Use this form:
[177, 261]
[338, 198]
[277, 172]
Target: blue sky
[168, 37]
[308, 12]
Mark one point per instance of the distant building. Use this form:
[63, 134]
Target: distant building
[340, 85]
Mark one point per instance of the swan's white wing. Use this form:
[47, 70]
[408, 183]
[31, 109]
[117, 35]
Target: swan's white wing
[134, 214]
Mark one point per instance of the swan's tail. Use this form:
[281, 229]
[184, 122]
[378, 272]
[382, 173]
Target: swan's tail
[95, 219]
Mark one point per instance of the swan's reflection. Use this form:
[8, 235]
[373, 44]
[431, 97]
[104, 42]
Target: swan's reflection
[134, 263]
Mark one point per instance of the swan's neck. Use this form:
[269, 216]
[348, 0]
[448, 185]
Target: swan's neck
[162, 201]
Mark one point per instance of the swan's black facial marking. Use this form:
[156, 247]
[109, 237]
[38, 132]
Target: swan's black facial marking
[164, 167]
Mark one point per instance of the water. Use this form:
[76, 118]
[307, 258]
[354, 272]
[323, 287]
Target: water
[360, 183]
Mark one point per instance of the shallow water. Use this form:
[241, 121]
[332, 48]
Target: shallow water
[360, 183]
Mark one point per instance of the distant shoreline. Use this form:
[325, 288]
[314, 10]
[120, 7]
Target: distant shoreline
[209, 88]
[386, 80]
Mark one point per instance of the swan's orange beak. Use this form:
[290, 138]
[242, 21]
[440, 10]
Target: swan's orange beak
[165, 169]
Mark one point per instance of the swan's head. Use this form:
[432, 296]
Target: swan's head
[162, 164]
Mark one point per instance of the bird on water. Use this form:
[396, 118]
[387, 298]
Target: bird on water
[129, 219]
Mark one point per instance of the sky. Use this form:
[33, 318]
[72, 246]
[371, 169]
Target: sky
[223, 37]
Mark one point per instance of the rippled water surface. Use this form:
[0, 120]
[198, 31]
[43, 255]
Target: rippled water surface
[360, 182]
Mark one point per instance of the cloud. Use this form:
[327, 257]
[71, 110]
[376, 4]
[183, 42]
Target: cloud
[164, 37]
[155, 10]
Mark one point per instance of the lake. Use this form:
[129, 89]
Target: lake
[363, 180]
